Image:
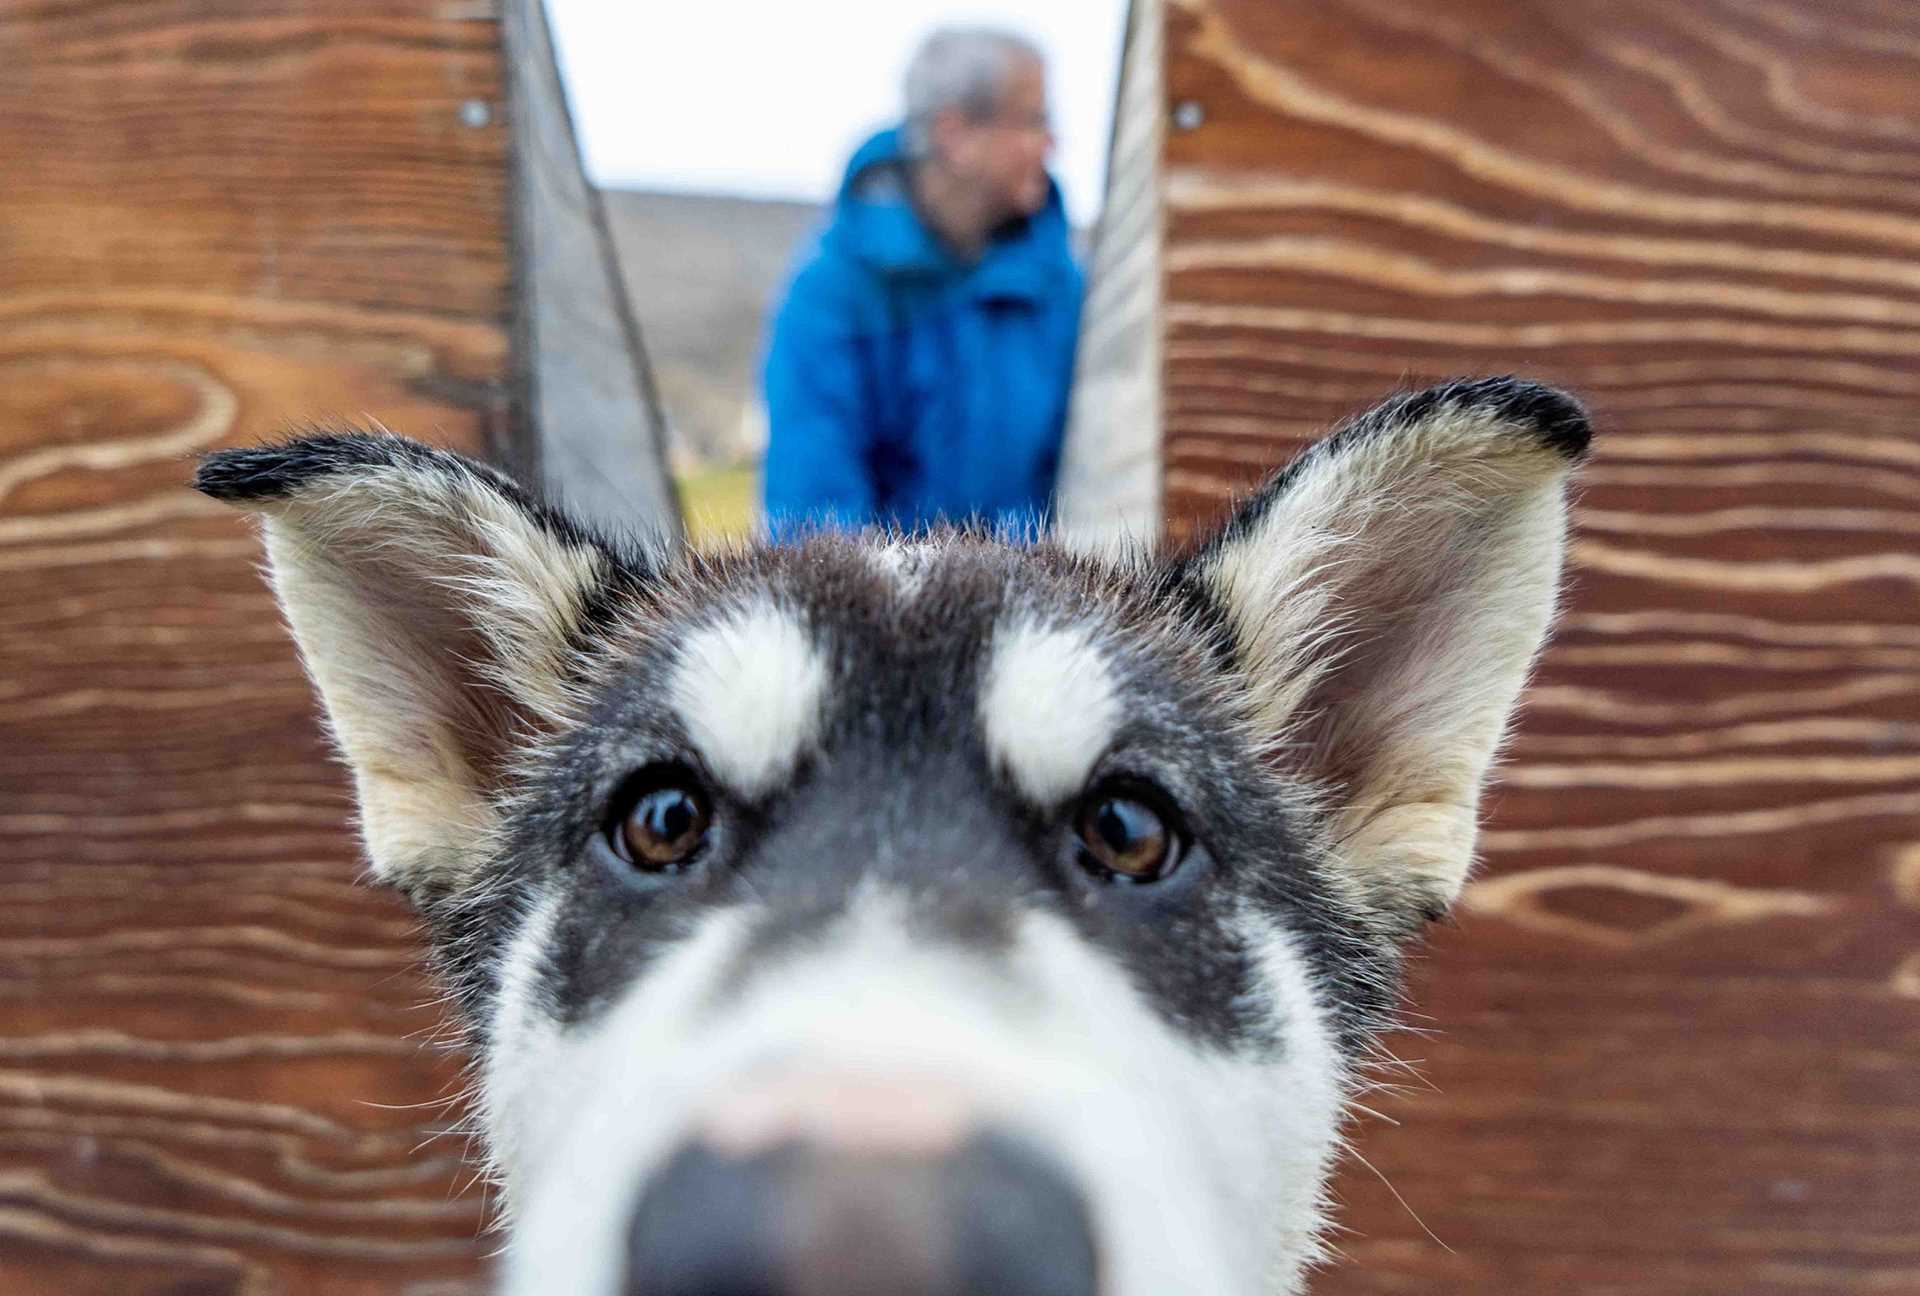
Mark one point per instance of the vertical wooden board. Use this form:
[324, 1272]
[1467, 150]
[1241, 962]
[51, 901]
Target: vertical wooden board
[1678, 1017]
[216, 220]
[1110, 472]
[601, 436]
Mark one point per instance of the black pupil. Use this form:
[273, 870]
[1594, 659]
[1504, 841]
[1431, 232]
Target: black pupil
[668, 815]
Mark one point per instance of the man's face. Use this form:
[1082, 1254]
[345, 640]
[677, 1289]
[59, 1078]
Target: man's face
[1006, 153]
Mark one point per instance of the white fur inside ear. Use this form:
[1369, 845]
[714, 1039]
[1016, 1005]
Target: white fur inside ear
[433, 615]
[749, 689]
[1386, 608]
[1048, 707]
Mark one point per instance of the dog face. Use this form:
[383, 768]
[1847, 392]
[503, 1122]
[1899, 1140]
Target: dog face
[925, 915]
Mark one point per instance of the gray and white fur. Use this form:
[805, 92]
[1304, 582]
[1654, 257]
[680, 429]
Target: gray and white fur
[893, 1023]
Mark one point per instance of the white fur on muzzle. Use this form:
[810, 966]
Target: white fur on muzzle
[1201, 1171]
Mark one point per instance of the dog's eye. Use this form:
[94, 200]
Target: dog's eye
[1124, 837]
[664, 826]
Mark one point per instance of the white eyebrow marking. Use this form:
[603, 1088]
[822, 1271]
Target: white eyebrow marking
[1048, 707]
[749, 689]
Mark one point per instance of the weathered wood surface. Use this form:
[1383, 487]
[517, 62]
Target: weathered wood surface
[1110, 465]
[1678, 1021]
[216, 219]
[586, 384]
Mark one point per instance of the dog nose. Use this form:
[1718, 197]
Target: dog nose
[990, 1217]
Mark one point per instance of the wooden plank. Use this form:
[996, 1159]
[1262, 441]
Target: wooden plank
[1110, 466]
[598, 437]
[1677, 1018]
[217, 219]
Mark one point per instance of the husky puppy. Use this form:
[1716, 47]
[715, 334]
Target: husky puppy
[923, 914]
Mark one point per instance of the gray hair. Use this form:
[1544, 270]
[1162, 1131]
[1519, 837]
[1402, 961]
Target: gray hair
[961, 67]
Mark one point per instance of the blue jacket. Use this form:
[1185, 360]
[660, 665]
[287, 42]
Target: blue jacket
[903, 385]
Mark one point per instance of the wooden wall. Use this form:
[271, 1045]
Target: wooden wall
[1679, 1017]
[1678, 1020]
[217, 217]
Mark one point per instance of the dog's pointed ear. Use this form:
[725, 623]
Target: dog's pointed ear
[438, 610]
[1384, 597]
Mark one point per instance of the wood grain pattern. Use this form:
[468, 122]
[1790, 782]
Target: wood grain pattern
[216, 219]
[1676, 1039]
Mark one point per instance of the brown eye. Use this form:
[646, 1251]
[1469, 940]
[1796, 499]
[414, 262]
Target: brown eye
[1126, 838]
[665, 826]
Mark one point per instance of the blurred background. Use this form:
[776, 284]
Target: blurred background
[718, 156]
[1674, 1039]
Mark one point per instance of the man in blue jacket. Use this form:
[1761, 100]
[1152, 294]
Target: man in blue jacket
[919, 366]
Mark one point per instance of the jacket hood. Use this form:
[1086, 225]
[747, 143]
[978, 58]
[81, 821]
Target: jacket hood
[875, 223]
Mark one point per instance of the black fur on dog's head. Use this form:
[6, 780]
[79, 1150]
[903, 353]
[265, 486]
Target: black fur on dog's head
[914, 772]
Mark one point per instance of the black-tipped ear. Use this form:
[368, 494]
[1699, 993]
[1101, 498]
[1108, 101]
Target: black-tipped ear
[257, 474]
[1385, 595]
[439, 611]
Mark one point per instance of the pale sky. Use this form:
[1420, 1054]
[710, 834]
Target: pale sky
[766, 98]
